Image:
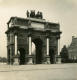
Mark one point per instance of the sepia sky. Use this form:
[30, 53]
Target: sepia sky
[62, 11]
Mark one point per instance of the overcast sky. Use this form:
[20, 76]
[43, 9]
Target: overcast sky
[62, 11]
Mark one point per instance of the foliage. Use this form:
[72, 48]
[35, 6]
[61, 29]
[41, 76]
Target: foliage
[3, 59]
[64, 54]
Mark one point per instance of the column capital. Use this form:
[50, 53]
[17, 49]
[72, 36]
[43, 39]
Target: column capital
[15, 33]
[47, 36]
[48, 33]
[30, 31]
[29, 35]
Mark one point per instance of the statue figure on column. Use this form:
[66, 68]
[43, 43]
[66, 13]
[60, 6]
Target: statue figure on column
[32, 14]
[28, 13]
[39, 15]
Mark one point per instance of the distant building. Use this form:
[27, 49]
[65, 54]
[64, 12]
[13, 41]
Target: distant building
[72, 49]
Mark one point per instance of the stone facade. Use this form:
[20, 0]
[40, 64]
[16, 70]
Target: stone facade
[72, 49]
[23, 31]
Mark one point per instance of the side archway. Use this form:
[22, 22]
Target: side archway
[22, 54]
[9, 56]
[52, 55]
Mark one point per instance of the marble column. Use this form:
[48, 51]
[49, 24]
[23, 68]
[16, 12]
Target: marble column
[30, 46]
[58, 46]
[48, 46]
[15, 44]
[58, 60]
[16, 60]
[48, 57]
[30, 51]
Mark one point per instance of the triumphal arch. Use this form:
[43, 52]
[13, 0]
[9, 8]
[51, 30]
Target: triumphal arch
[22, 33]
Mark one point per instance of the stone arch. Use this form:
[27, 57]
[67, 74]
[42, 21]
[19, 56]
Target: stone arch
[42, 33]
[38, 53]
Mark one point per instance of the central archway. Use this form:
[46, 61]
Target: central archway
[38, 51]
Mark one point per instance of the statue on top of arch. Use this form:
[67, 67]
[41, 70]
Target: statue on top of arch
[32, 14]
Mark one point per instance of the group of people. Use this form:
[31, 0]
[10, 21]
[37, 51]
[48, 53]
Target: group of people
[33, 15]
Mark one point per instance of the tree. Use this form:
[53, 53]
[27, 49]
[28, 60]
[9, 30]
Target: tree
[64, 54]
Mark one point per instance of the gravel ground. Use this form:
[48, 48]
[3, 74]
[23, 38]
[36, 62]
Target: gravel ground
[38, 72]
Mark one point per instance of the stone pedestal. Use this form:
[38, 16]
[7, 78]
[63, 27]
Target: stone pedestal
[16, 60]
[58, 60]
[30, 60]
[47, 59]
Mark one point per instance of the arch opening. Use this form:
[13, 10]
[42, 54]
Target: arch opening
[52, 55]
[21, 56]
[38, 51]
[9, 56]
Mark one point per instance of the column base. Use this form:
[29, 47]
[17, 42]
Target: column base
[30, 61]
[58, 60]
[16, 61]
[48, 60]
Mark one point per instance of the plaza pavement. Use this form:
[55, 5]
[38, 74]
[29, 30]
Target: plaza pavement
[39, 72]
